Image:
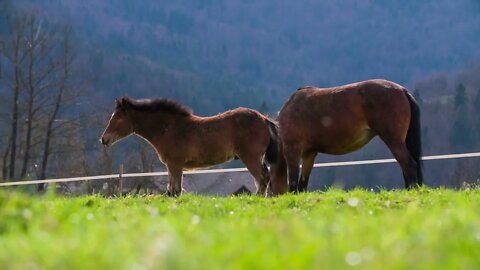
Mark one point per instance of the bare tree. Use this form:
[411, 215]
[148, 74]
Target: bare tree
[13, 49]
[39, 68]
[38, 60]
[63, 87]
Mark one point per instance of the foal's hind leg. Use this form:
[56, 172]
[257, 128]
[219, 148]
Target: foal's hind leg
[259, 172]
[307, 165]
[406, 161]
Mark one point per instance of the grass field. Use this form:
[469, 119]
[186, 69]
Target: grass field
[425, 229]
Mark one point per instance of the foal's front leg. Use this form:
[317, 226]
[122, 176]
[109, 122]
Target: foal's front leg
[175, 176]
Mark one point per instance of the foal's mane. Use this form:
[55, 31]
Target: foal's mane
[158, 104]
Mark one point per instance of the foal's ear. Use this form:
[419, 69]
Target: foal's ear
[121, 102]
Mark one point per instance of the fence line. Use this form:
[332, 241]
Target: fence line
[317, 165]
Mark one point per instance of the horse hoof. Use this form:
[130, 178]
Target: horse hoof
[172, 194]
[294, 190]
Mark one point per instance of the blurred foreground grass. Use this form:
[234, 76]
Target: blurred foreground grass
[425, 229]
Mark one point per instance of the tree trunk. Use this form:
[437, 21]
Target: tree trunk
[56, 108]
[46, 151]
[49, 132]
[14, 123]
[38, 74]
[5, 162]
[28, 138]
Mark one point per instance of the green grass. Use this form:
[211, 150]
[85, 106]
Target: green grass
[425, 229]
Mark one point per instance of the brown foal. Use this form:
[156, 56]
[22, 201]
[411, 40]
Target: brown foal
[186, 141]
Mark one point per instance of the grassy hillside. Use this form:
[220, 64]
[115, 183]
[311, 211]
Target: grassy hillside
[426, 229]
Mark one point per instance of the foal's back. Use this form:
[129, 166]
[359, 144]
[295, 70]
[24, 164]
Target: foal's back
[237, 126]
[216, 139]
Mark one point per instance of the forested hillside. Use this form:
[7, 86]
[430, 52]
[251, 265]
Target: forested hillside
[218, 54]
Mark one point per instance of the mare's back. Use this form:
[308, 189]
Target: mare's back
[346, 99]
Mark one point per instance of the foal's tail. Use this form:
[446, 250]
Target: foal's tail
[414, 136]
[274, 156]
[271, 155]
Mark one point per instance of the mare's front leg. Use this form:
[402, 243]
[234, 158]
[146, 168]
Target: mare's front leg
[307, 165]
[175, 176]
[278, 176]
[292, 157]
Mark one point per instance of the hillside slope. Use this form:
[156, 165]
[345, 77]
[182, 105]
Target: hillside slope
[215, 55]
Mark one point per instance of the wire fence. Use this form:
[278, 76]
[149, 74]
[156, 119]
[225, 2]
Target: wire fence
[228, 170]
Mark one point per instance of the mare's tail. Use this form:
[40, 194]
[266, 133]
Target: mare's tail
[414, 136]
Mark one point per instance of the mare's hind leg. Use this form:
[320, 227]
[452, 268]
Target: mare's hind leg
[292, 157]
[307, 165]
[259, 172]
[175, 175]
[406, 161]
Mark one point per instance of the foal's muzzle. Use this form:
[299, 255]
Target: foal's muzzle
[104, 141]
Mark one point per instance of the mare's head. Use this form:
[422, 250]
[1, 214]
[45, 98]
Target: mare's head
[120, 125]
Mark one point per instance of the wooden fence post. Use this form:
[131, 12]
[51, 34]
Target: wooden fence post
[120, 179]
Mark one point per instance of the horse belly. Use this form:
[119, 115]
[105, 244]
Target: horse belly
[208, 158]
[344, 144]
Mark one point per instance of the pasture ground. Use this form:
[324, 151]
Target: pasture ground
[359, 229]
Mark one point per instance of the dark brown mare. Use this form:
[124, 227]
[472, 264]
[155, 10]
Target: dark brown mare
[342, 119]
[185, 141]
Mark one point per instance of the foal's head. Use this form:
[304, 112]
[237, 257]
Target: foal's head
[125, 116]
[119, 125]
